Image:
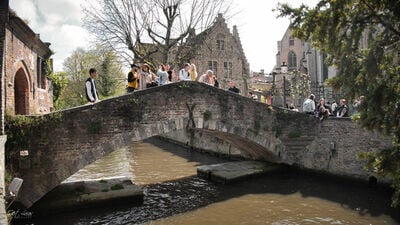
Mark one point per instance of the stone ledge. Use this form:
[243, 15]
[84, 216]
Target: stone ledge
[234, 171]
[87, 194]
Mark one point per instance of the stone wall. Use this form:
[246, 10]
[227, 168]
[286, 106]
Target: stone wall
[331, 146]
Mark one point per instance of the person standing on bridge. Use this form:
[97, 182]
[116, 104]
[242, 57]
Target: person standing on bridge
[184, 73]
[144, 76]
[193, 72]
[90, 87]
[133, 83]
[207, 78]
[233, 88]
[162, 75]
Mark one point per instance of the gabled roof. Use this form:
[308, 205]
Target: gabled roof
[31, 39]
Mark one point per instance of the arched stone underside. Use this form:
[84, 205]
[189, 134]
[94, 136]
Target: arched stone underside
[248, 147]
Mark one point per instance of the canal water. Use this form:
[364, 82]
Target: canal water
[175, 195]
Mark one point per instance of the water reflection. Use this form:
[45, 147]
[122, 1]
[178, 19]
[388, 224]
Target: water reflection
[115, 164]
[174, 195]
[274, 209]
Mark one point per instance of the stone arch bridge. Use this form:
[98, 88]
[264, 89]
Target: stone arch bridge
[60, 143]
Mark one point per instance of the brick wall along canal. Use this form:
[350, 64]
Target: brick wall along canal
[174, 195]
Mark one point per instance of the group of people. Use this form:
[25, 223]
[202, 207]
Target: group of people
[322, 109]
[141, 77]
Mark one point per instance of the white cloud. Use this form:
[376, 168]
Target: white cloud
[58, 22]
[26, 10]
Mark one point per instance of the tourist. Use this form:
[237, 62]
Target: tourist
[144, 76]
[193, 72]
[323, 109]
[309, 105]
[233, 88]
[92, 94]
[133, 83]
[152, 80]
[169, 72]
[334, 108]
[252, 96]
[343, 110]
[207, 78]
[162, 75]
[184, 73]
[216, 83]
[293, 108]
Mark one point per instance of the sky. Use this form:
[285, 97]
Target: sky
[60, 23]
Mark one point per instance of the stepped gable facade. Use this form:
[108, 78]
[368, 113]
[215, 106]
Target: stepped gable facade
[222, 52]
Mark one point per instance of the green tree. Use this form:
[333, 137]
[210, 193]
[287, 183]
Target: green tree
[361, 38]
[110, 78]
[59, 82]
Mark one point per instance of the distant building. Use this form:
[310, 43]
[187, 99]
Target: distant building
[217, 49]
[223, 53]
[300, 57]
[24, 62]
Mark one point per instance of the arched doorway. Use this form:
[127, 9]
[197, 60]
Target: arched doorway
[21, 93]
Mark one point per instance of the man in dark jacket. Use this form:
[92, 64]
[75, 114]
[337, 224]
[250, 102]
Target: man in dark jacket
[233, 88]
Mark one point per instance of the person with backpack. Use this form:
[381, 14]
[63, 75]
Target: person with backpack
[309, 105]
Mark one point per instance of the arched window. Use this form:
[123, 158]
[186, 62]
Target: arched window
[292, 60]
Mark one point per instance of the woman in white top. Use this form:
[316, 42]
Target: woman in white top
[162, 75]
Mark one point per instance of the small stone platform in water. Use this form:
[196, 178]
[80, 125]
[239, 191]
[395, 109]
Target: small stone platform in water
[93, 193]
[233, 171]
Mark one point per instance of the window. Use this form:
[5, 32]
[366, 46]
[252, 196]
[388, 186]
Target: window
[228, 69]
[41, 73]
[212, 65]
[220, 42]
[292, 59]
[291, 41]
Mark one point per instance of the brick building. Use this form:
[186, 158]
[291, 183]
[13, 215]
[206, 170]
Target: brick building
[217, 49]
[24, 61]
[222, 52]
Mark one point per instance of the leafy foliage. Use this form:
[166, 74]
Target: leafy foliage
[300, 86]
[110, 78]
[361, 38]
[59, 81]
